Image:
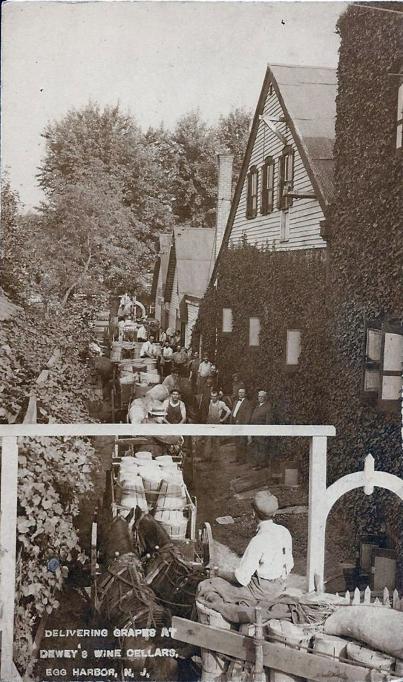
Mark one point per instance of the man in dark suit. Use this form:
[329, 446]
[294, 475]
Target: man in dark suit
[262, 414]
[241, 414]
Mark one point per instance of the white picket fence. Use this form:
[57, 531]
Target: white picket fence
[393, 601]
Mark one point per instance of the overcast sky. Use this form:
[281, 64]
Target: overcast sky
[158, 59]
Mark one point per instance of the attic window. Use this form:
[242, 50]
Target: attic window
[251, 201]
[286, 178]
[268, 186]
[270, 90]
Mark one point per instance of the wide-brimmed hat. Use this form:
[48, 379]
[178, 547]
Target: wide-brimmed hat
[265, 504]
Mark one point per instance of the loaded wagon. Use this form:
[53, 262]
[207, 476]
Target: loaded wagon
[148, 473]
[342, 642]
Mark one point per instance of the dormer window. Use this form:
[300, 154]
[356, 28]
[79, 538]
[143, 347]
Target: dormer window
[286, 178]
[252, 196]
[267, 186]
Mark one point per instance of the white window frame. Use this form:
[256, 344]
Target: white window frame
[292, 356]
[254, 332]
[227, 320]
[383, 364]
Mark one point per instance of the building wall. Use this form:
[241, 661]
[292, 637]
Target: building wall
[192, 315]
[173, 316]
[365, 250]
[304, 214]
[159, 298]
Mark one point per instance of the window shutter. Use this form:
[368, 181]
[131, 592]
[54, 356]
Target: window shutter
[280, 182]
[270, 197]
[264, 204]
[248, 195]
[290, 175]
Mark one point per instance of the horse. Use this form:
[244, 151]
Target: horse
[130, 607]
[173, 579]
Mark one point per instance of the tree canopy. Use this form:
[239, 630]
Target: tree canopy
[109, 190]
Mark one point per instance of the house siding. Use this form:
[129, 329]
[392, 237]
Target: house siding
[304, 215]
[192, 315]
[159, 298]
[174, 303]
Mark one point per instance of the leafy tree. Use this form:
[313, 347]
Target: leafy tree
[187, 160]
[233, 134]
[91, 142]
[11, 238]
[195, 182]
[102, 243]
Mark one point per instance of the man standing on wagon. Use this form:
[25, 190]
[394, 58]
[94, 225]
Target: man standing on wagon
[262, 572]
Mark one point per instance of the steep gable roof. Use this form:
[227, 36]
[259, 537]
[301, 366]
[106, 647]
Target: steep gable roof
[307, 95]
[194, 251]
[191, 253]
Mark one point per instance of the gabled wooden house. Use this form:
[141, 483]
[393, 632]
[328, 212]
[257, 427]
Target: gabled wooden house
[287, 176]
[186, 278]
[285, 186]
[186, 261]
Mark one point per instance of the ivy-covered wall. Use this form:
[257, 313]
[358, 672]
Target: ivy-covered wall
[285, 290]
[331, 295]
[365, 244]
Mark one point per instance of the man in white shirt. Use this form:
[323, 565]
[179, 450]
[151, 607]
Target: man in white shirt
[203, 372]
[166, 359]
[218, 413]
[149, 349]
[262, 572]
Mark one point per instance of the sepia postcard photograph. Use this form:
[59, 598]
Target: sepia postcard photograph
[201, 341]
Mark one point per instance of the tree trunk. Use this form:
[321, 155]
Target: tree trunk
[77, 282]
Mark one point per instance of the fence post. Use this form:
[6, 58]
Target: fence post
[317, 510]
[8, 521]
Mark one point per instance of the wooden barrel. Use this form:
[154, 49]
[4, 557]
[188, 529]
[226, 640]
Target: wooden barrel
[144, 455]
[116, 351]
[152, 481]
[174, 522]
[150, 363]
[171, 496]
[214, 666]
[133, 494]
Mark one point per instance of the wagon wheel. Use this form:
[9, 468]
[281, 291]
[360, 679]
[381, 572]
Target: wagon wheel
[207, 545]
